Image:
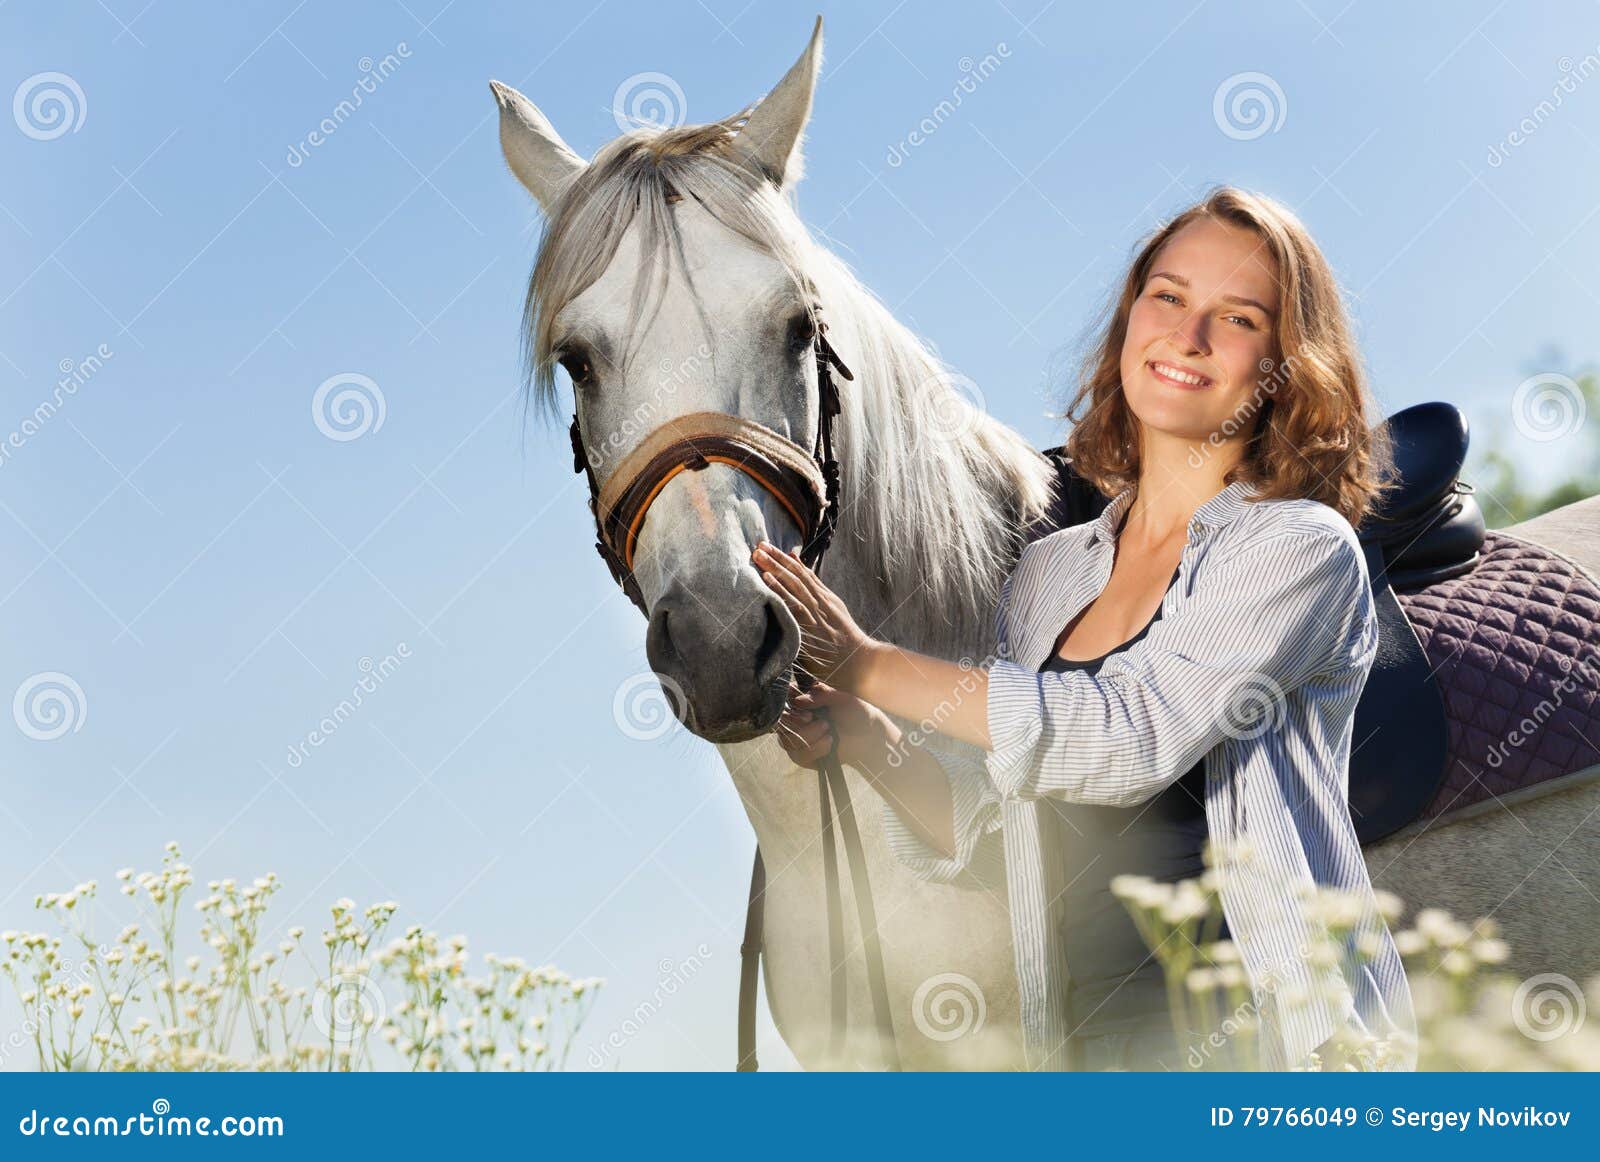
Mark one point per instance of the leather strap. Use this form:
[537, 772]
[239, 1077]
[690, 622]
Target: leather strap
[866, 915]
[806, 485]
[750, 965]
[831, 790]
[833, 901]
[786, 470]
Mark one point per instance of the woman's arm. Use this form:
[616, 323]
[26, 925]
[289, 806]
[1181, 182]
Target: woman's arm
[1276, 611]
[1260, 623]
[924, 689]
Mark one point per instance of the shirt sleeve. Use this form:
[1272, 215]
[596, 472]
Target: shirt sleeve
[1259, 623]
[977, 818]
[976, 801]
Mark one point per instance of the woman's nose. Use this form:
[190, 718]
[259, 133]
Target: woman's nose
[1191, 337]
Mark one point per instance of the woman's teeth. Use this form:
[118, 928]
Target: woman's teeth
[1171, 372]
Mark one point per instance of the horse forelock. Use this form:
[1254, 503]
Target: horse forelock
[637, 178]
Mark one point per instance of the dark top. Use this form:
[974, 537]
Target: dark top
[1115, 983]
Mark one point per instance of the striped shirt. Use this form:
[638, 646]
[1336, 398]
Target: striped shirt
[1256, 663]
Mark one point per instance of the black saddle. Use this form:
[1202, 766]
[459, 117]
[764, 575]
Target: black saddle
[1428, 528]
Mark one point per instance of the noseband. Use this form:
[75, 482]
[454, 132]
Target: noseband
[806, 484]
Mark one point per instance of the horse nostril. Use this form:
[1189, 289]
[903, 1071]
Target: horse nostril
[659, 647]
[770, 659]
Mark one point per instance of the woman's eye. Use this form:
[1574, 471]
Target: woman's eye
[1167, 297]
[1243, 321]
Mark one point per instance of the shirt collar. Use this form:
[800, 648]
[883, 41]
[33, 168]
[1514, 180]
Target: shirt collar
[1213, 514]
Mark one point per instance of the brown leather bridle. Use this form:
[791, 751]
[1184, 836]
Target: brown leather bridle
[806, 484]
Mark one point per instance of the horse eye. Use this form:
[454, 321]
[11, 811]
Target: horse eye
[802, 331]
[577, 366]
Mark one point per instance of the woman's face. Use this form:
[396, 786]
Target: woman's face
[1200, 332]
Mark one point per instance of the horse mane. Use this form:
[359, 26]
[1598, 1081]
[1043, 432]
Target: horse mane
[968, 482]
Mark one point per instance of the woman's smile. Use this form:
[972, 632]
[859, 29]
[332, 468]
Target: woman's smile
[1178, 375]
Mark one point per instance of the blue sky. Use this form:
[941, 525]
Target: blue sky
[211, 569]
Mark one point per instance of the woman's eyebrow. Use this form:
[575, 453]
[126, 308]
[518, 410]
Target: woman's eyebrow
[1244, 302]
[1237, 299]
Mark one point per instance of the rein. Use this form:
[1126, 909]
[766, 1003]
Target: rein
[805, 482]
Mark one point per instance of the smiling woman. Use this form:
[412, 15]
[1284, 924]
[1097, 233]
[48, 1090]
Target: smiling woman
[1183, 669]
[1230, 318]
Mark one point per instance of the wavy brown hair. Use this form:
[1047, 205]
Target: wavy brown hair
[1311, 423]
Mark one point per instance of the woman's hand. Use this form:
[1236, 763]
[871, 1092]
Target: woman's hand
[864, 732]
[830, 639]
[896, 681]
[910, 780]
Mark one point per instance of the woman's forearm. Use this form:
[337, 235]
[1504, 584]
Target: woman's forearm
[946, 696]
[916, 788]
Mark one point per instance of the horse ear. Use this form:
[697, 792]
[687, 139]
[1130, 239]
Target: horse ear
[533, 148]
[770, 139]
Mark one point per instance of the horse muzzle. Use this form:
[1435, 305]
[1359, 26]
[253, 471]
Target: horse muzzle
[726, 677]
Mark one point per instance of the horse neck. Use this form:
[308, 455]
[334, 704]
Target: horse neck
[929, 526]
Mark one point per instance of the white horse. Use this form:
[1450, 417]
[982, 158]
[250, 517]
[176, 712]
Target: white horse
[675, 277]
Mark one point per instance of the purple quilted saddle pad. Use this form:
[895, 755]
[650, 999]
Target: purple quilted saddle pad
[1515, 647]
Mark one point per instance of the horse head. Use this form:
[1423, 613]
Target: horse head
[671, 281]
